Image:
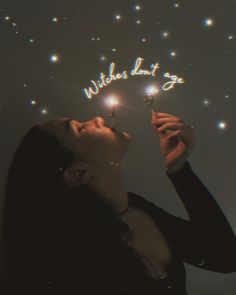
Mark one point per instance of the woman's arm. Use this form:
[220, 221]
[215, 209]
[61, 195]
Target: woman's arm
[207, 235]
[207, 239]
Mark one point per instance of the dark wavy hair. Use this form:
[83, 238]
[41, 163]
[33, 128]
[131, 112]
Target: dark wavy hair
[59, 239]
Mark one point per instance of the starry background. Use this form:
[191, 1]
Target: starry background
[51, 50]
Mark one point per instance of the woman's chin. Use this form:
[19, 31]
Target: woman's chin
[124, 134]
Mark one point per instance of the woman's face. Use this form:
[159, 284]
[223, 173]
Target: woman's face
[90, 140]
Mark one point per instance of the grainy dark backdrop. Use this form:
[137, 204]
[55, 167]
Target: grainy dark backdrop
[50, 50]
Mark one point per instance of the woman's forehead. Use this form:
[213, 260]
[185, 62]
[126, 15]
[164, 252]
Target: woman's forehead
[56, 121]
[54, 124]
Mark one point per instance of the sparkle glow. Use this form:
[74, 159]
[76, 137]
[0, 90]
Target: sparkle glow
[222, 125]
[96, 39]
[118, 17]
[152, 90]
[111, 101]
[206, 102]
[173, 54]
[137, 7]
[54, 58]
[44, 111]
[55, 19]
[165, 34]
[33, 102]
[103, 58]
[209, 22]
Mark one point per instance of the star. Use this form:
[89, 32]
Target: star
[31, 40]
[55, 19]
[173, 54]
[176, 5]
[113, 50]
[222, 125]
[165, 34]
[33, 102]
[209, 22]
[144, 40]
[95, 39]
[138, 21]
[54, 58]
[226, 96]
[7, 17]
[44, 111]
[118, 17]
[230, 37]
[137, 7]
[103, 58]
[206, 102]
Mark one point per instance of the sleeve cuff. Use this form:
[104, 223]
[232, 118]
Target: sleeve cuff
[180, 173]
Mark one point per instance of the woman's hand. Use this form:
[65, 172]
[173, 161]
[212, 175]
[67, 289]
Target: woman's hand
[177, 144]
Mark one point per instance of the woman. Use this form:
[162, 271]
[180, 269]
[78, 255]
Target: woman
[70, 227]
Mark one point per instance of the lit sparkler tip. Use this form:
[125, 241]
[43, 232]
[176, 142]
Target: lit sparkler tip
[152, 90]
[112, 101]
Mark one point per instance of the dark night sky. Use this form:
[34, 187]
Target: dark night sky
[194, 39]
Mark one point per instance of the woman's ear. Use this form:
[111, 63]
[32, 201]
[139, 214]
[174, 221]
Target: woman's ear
[75, 176]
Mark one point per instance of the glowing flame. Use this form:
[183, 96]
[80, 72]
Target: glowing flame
[112, 101]
[152, 90]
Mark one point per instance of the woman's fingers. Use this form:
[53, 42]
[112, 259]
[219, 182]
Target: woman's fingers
[161, 115]
[161, 121]
[172, 126]
[160, 118]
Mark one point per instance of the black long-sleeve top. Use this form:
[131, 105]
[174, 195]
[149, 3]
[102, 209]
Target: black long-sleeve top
[206, 240]
[87, 257]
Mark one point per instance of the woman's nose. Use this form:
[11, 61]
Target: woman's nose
[99, 121]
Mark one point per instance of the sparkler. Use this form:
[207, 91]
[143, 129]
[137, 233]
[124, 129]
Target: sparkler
[112, 103]
[151, 92]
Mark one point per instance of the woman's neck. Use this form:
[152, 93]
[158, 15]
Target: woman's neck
[109, 183]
